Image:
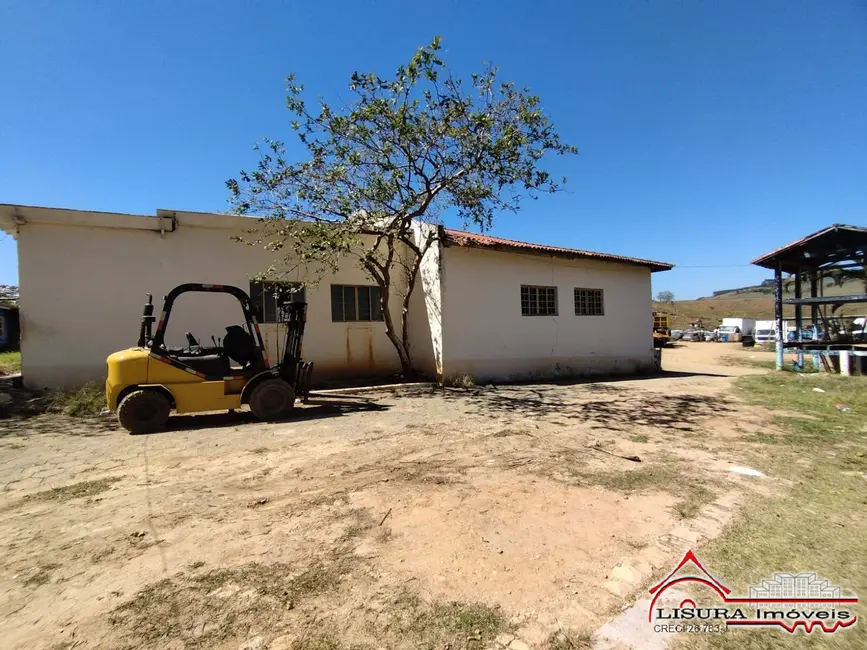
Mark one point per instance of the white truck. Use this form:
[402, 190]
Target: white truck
[733, 330]
[766, 331]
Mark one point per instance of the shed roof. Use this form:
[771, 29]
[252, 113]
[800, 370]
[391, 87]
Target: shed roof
[474, 240]
[836, 243]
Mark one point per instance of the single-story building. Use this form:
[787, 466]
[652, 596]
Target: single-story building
[492, 308]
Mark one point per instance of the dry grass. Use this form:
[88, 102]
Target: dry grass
[665, 476]
[419, 624]
[89, 400]
[204, 609]
[41, 576]
[74, 491]
[569, 640]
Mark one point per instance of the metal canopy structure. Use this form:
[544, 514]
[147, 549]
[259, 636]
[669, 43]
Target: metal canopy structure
[832, 251]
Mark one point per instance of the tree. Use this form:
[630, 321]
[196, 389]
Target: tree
[402, 151]
[665, 296]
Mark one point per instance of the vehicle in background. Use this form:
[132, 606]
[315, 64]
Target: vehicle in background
[807, 334]
[747, 326]
[766, 331]
[661, 331]
[676, 335]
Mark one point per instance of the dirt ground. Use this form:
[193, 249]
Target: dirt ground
[383, 520]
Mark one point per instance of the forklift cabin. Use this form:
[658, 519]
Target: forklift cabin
[148, 381]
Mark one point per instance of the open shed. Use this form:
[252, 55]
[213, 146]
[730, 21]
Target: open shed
[837, 249]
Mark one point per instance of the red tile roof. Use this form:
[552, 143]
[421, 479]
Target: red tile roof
[474, 240]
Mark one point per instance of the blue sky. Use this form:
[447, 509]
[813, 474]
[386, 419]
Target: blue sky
[709, 132]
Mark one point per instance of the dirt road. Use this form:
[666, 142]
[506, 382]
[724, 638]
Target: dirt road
[511, 509]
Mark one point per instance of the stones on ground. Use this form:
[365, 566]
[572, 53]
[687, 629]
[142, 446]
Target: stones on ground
[517, 644]
[503, 640]
[256, 643]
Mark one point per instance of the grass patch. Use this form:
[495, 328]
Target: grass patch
[569, 640]
[445, 624]
[260, 450]
[360, 522]
[74, 491]
[86, 401]
[819, 523]
[200, 610]
[769, 364]
[10, 363]
[41, 576]
[639, 438]
[693, 493]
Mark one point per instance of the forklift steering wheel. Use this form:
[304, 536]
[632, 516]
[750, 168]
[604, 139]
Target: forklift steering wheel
[191, 340]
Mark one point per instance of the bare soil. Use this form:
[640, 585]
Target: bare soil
[414, 519]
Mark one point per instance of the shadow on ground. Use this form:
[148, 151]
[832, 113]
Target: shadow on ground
[600, 405]
[313, 410]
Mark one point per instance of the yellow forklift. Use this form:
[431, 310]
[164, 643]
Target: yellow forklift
[661, 330]
[147, 382]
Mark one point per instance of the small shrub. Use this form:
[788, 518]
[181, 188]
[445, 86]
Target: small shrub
[86, 401]
[460, 381]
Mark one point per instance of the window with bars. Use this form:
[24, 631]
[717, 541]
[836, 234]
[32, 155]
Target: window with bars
[269, 297]
[588, 302]
[353, 303]
[538, 301]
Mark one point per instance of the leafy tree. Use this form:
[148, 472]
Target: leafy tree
[665, 296]
[402, 151]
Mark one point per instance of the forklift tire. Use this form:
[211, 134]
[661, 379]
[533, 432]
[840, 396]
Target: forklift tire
[143, 411]
[273, 399]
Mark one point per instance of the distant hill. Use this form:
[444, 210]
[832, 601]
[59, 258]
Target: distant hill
[766, 290]
[749, 302]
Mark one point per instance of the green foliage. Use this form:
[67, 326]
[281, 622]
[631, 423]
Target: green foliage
[10, 363]
[665, 296]
[81, 402]
[399, 150]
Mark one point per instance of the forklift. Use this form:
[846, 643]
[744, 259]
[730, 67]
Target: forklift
[145, 383]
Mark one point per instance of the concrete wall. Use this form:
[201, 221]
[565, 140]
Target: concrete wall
[486, 336]
[83, 287]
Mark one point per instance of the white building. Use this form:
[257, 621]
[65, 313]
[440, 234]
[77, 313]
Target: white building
[492, 308]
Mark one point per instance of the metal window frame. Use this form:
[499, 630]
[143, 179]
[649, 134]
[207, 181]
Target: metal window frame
[550, 291]
[589, 297]
[355, 288]
[264, 295]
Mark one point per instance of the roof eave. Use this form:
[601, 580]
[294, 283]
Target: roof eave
[653, 265]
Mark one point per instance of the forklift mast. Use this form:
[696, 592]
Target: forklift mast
[291, 368]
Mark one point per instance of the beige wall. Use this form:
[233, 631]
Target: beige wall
[83, 287]
[486, 336]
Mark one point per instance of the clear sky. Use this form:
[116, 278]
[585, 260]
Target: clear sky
[709, 131]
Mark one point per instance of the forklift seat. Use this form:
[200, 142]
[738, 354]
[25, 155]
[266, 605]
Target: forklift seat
[239, 345]
[213, 365]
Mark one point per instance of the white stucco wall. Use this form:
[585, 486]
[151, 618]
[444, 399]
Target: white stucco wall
[83, 287]
[485, 335]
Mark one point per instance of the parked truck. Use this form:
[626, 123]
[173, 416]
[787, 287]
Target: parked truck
[733, 330]
[766, 331]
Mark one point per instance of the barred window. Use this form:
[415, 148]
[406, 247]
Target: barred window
[538, 301]
[588, 302]
[350, 303]
[269, 299]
